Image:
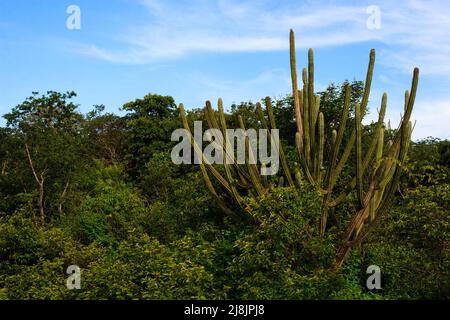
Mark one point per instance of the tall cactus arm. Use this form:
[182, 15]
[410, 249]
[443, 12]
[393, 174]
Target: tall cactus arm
[283, 159]
[380, 144]
[204, 167]
[295, 91]
[213, 124]
[368, 83]
[299, 119]
[412, 96]
[351, 141]
[340, 134]
[213, 192]
[316, 109]
[211, 118]
[405, 136]
[410, 103]
[251, 164]
[311, 100]
[406, 100]
[199, 153]
[321, 148]
[306, 126]
[270, 114]
[375, 140]
[331, 176]
[261, 116]
[303, 162]
[226, 165]
[369, 155]
[375, 201]
[358, 147]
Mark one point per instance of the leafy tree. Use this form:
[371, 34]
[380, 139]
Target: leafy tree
[332, 100]
[150, 122]
[47, 131]
[50, 111]
[427, 163]
[411, 246]
[106, 134]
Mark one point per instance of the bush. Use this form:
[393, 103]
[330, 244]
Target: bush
[142, 268]
[283, 257]
[109, 213]
[411, 246]
[33, 260]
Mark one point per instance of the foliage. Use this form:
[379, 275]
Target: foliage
[412, 245]
[377, 169]
[108, 213]
[51, 111]
[428, 163]
[140, 227]
[150, 122]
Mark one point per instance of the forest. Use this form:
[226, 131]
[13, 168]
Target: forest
[100, 191]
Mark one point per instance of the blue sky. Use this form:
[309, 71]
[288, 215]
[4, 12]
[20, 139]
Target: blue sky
[237, 50]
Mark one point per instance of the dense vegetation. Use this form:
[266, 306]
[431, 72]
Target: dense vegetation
[100, 191]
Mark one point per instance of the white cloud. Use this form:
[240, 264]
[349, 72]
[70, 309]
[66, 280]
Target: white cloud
[433, 119]
[416, 32]
[177, 29]
[413, 33]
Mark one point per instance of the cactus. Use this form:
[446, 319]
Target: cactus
[376, 173]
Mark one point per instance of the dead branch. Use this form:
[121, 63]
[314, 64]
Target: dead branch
[40, 182]
[63, 194]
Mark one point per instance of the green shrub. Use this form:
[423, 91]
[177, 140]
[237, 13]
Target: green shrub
[411, 246]
[283, 257]
[142, 268]
[106, 215]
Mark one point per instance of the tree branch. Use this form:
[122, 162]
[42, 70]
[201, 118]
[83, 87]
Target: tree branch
[40, 182]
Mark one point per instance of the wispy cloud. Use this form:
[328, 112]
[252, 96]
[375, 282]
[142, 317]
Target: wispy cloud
[433, 119]
[416, 32]
[176, 29]
[413, 33]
